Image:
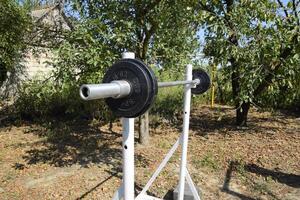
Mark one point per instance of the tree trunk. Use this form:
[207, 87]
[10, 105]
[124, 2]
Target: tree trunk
[242, 114]
[241, 110]
[144, 128]
[110, 125]
[144, 35]
[3, 74]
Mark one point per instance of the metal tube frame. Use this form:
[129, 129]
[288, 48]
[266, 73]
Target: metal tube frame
[183, 140]
[126, 190]
[185, 131]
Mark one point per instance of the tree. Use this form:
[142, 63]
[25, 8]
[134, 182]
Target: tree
[14, 25]
[159, 32]
[257, 42]
[38, 4]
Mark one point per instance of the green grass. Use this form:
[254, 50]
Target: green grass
[208, 161]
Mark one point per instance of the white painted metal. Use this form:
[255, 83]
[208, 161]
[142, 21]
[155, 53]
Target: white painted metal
[192, 185]
[185, 131]
[119, 193]
[158, 170]
[126, 55]
[128, 150]
[183, 140]
[147, 197]
[128, 158]
[115, 89]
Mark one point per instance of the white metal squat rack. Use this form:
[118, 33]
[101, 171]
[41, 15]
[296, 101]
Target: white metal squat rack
[126, 190]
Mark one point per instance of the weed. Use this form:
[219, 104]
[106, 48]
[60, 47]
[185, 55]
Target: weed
[208, 161]
[261, 187]
[9, 176]
[240, 168]
[163, 144]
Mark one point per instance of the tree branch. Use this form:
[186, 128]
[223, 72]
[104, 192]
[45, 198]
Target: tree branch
[284, 10]
[206, 8]
[143, 34]
[147, 39]
[295, 12]
[275, 66]
[145, 9]
[150, 6]
[226, 20]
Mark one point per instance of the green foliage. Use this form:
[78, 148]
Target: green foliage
[283, 95]
[82, 58]
[36, 4]
[42, 99]
[168, 104]
[14, 24]
[160, 33]
[223, 88]
[257, 45]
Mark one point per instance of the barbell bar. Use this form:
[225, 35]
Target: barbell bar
[175, 83]
[129, 87]
[121, 88]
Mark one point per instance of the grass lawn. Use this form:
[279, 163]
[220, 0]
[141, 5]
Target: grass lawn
[82, 160]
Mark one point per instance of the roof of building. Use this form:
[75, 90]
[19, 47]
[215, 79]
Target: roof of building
[40, 14]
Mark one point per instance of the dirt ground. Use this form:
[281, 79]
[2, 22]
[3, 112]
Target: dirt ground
[82, 160]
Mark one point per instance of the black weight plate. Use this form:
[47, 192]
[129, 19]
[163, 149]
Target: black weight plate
[143, 89]
[204, 84]
[154, 87]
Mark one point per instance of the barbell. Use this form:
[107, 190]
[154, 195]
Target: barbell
[129, 87]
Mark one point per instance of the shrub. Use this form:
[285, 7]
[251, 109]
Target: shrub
[46, 99]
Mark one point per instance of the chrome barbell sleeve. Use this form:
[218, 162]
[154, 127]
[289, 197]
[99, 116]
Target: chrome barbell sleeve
[114, 89]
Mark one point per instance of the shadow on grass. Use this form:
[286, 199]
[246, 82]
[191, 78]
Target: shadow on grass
[169, 195]
[96, 186]
[77, 142]
[137, 188]
[8, 119]
[206, 120]
[228, 176]
[291, 180]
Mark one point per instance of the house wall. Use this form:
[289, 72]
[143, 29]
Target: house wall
[37, 65]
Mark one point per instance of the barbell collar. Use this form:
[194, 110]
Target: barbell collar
[114, 89]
